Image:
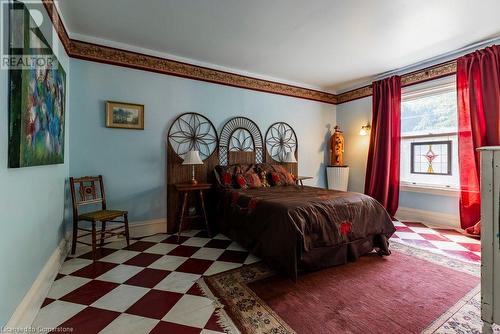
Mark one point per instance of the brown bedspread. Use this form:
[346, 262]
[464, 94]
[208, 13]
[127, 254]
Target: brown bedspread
[304, 227]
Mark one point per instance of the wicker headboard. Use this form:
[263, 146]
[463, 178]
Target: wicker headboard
[189, 131]
[281, 139]
[240, 142]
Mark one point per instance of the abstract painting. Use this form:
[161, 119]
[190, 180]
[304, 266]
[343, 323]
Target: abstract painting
[37, 98]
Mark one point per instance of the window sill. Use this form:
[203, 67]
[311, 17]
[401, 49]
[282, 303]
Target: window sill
[432, 190]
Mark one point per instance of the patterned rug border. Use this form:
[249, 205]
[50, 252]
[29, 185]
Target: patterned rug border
[467, 267]
[230, 292]
[223, 318]
[261, 317]
[438, 323]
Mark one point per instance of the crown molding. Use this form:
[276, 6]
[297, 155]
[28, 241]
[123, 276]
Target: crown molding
[109, 55]
[413, 78]
[164, 55]
[58, 24]
[120, 57]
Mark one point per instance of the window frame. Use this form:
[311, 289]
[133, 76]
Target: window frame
[439, 142]
[434, 87]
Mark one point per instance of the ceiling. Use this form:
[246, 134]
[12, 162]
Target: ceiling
[326, 44]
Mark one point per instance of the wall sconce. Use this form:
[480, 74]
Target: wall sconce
[365, 129]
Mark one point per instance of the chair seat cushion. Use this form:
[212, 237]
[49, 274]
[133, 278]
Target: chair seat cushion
[101, 215]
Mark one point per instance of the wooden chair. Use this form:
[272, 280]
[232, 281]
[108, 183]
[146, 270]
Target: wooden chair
[91, 191]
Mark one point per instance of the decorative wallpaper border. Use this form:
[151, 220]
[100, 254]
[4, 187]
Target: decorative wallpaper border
[119, 57]
[58, 24]
[413, 78]
[354, 94]
[109, 55]
[104, 54]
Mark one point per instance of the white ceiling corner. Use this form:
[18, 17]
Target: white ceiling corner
[318, 44]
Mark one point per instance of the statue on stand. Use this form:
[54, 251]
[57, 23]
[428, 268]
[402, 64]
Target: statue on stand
[337, 148]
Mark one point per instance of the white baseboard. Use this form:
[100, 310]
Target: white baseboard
[431, 218]
[148, 227]
[136, 229]
[27, 310]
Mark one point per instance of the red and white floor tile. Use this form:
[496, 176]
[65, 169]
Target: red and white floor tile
[149, 287]
[443, 241]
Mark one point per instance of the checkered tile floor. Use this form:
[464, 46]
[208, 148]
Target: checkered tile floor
[443, 241]
[149, 287]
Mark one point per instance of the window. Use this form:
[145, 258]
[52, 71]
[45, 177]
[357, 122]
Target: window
[429, 148]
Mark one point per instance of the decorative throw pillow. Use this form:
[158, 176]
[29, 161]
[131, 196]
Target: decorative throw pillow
[248, 180]
[277, 179]
[253, 180]
[281, 179]
[264, 167]
[224, 176]
[289, 178]
[263, 179]
[241, 181]
[280, 169]
[227, 180]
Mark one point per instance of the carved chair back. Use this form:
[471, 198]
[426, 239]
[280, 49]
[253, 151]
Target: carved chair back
[87, 190]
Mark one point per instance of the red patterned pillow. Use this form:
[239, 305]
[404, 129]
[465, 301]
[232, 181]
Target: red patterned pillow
[227, 179]
[280, 169]
[248, 180]
[277, 179]
[289, 179]
[253, 180]
[281, 179]
[241, 181]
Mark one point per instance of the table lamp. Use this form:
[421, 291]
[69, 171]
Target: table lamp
[192, 158]
[290, 159]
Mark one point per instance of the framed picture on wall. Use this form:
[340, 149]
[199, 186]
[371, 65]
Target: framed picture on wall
[124, 115]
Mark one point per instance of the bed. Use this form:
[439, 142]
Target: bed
[292, 228]
[295, 228]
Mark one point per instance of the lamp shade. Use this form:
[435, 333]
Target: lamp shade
[290, 157]
[192, 158]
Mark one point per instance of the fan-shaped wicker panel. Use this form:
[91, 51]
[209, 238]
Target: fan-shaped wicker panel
[192, 131]
[240, 134]
[280, 139]
[189, 131]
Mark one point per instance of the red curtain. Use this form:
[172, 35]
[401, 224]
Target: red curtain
[478, 88]
[382, 170]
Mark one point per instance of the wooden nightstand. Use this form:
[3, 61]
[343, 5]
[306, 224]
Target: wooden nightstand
[185, 189]
[300, 179]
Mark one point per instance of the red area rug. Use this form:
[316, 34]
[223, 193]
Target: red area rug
[408, 292]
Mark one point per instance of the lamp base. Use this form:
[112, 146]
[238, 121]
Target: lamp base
[193, 179]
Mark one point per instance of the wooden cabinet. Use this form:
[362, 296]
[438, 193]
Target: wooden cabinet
[490, 246]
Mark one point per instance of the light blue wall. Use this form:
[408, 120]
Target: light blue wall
[133, 162]
[429, 202]
[31, 211]
[351, 116]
